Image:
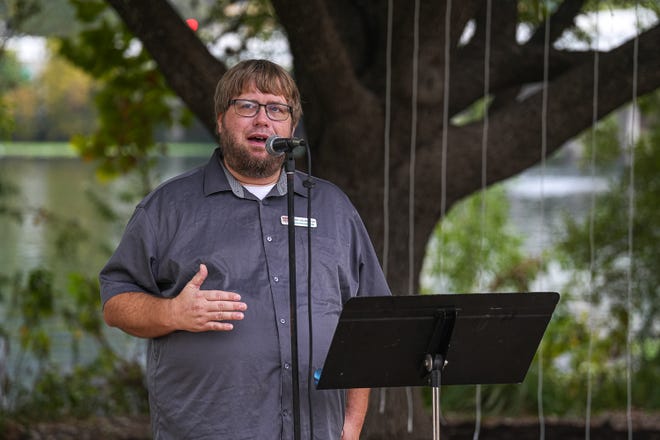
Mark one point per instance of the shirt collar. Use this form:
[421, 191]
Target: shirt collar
[218, 179]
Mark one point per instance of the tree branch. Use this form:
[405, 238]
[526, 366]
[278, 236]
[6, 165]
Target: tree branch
[503, 24]
[562, 19]
[519, 125]
[189, 69]
[329, 71]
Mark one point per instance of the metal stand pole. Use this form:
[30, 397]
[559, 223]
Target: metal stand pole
[434, 361]
[293, 306]
[434, 365]
[436, 413]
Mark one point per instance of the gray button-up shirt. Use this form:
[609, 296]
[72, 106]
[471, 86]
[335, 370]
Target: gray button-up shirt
[237, 384]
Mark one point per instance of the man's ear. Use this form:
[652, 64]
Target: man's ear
[218, 123]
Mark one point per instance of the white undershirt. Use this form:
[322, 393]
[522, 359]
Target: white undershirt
[260, 191]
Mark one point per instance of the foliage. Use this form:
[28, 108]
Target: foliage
[601, 146]
[133, 100]
[108, 384]
[6, 121]
[477, 229]
[11, 72]
[587, 340]
[620, 282]
[35, 300]
[35, 303]
[50, 18]
[534, 11]
[53, 106]
[14, 13]
[8, 204]
[39, 305]
[11, 76]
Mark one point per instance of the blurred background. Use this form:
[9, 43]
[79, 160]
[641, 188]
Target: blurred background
[89, 124]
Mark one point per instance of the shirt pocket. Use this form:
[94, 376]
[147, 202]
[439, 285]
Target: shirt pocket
[333, 280]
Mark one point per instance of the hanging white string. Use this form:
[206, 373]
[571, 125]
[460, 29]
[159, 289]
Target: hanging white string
[631, 216]
[484, 180]
[386, 164]
[484, 142]
[409, 399]
[411, 182]
[413, 154]
[386, 139]
[445, 130]
[592, 215]
[544, 148]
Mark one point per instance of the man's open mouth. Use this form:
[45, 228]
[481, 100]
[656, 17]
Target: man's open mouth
[260, 138]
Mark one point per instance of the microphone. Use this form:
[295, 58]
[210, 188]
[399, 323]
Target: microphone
[277, 146]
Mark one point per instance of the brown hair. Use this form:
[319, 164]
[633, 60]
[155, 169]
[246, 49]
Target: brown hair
[266, 76]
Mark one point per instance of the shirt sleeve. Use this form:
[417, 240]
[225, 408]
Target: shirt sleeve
[130, 269]
[372, 281]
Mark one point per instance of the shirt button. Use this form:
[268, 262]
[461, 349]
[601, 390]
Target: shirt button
[269, 238]
[282, 321]
[276, 279]
[286, 366]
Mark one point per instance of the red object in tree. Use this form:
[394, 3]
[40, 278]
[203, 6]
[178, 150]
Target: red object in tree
[192, 24]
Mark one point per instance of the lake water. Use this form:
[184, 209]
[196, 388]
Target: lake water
[57, 187]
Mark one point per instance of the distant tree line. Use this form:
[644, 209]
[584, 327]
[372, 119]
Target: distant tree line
[57, 102]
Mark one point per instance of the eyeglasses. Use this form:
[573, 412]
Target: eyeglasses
[249, 108]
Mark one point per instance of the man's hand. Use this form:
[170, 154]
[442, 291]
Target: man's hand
[194, 310]
[197, 310]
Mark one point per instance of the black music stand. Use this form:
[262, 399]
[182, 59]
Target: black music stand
[429, 340]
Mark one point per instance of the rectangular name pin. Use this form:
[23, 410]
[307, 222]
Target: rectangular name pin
[297, 221]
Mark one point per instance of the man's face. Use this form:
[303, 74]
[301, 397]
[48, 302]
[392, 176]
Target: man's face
[243, 138]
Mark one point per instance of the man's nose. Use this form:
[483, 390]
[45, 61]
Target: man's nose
[261, 115]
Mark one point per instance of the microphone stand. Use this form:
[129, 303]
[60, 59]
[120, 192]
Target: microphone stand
[290, 168]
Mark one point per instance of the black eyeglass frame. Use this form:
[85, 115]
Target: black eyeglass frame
[288, 113]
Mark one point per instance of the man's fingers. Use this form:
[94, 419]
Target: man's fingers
[199, 277]
[221, 295]
[219, 326]
[219, 321]
[228, 306]
[227, 316]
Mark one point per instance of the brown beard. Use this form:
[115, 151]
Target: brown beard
[239, 159]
